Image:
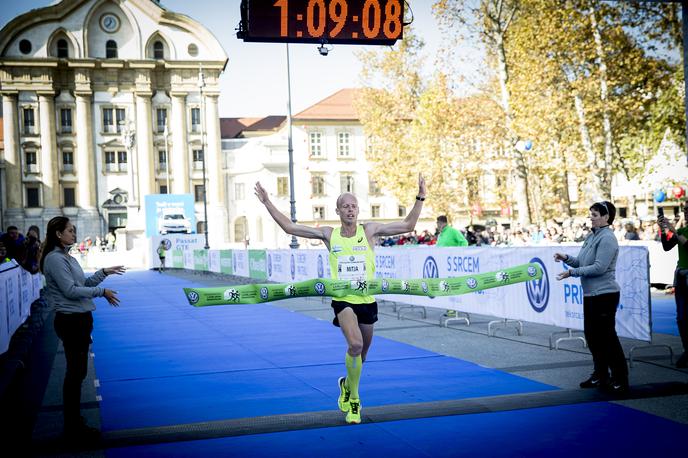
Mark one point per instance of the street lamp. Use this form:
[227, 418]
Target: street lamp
[129, 140]
[292, 201]
[165, 134]
[201, 85]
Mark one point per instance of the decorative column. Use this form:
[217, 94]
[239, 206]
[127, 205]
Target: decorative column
[86, 197]
[144, 144]
[217, 223]
[13, 183]
[49, 172]
[180, 153]
[214, 148]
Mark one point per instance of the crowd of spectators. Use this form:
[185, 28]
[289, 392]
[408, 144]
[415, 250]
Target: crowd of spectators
[25, 249]
[551, 233]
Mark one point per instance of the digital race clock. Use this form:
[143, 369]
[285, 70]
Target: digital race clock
[322, 21]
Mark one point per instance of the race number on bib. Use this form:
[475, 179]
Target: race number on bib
[351, 267]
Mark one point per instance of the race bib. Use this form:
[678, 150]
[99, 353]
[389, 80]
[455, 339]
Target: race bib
[351, 267]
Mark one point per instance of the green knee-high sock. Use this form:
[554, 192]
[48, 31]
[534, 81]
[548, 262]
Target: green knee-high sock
[354, 364]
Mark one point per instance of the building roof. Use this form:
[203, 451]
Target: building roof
[338, 106]
[241, 127]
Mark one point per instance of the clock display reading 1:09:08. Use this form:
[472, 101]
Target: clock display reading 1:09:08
[315, 21]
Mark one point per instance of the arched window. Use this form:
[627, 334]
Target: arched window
[158, 50]
[111, 49]
[62, 48]
[240, 229]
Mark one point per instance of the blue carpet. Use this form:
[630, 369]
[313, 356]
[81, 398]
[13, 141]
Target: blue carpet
[597, 429]
[664, 314]
[161, 362]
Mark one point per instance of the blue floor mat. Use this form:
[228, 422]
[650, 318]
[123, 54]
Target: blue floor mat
[160, 362]
[664, 315]
[596, 429]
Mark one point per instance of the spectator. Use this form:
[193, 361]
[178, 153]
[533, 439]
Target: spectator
[448, 236]
[3, 254]
[162, 250]
[32, 246]
[537, 236]
[595, 265]
[631, 232]
[470, 236]
[672, 237]
[110, 241]
[14, 243]
[70, 293]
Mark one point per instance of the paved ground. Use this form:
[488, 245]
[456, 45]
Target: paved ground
[527, 355]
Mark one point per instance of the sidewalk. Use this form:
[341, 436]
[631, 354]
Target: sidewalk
[527, 355]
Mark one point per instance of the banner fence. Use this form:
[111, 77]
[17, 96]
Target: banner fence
[545, 300]
[18, 290]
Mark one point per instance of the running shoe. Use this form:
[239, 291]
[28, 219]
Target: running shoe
[353, 416]
[344, 394]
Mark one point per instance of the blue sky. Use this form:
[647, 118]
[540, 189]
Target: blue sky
[255, 81]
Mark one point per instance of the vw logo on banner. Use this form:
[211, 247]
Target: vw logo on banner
[430, 269]
[538, 290]
[293, 267]
[321, 267]
[269, 265]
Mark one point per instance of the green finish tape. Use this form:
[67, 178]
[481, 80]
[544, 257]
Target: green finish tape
[431, 287]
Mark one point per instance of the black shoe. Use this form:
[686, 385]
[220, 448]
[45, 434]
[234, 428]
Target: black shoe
[615, 387]
[594, 381]
[80, 433]
[682, 361]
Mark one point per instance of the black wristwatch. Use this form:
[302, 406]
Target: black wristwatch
[420, 198]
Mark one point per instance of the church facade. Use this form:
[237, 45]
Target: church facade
[105, 102]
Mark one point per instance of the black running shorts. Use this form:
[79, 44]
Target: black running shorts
[366, 313]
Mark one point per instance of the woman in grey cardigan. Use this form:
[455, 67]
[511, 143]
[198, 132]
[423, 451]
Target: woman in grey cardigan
[71, 294]
[595, 265]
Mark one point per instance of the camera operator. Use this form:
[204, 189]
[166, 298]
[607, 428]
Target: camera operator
[672, 237]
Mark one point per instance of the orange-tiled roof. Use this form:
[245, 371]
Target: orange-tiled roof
[338, 106]
[236, 127]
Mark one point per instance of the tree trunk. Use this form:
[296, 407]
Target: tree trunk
[520, 168]
[606, 116]
[594, 187]
[566, 196]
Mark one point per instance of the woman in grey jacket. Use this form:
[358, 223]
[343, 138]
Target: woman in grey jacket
[595, 265]
[70, 294]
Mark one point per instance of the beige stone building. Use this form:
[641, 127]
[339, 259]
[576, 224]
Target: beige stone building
[329, 152]
[89, 89]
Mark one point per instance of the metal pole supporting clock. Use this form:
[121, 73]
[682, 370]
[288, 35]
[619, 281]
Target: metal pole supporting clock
[292, 201]
[201, 86]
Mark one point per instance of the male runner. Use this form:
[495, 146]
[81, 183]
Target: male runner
[351, 258]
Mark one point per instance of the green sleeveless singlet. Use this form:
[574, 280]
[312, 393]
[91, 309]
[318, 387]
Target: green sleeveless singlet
[352, 258]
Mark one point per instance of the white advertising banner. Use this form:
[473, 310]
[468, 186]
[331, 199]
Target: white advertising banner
[214, 261]
[173, 242]
[189, 259]
[662, 263]
[240, 263]
[546, 301]
[278, 265]
[26, 296]
[6, 276]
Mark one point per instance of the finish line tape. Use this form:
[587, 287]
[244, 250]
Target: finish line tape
[431, 287]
